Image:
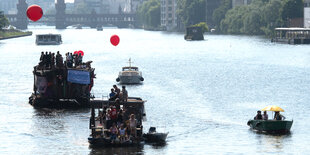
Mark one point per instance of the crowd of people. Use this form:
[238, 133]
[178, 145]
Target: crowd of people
[277, 116]
[112, 118]
[48, 60]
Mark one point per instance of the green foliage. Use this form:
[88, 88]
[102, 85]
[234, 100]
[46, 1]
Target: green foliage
[260, 17]
[292, 9]
[203, 25]
[149, 13]
[3, 20]
[219, 13]
[191, 11]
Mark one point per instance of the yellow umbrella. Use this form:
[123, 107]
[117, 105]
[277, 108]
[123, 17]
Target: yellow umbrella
[272, 108]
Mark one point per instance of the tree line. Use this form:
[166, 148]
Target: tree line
[260, 17]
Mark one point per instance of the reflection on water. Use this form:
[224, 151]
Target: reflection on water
[138, 150]
[272, 143]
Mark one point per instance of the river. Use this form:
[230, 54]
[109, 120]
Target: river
[201, 92]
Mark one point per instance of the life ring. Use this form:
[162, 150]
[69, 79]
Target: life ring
[142, 79]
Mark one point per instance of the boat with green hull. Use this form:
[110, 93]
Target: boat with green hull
[271, 126]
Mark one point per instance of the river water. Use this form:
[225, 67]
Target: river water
[202, 93]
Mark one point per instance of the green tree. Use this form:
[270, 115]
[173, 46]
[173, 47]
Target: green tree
[191, 11]
[149, 13]
[292, 9]
[3, 20]
[219, 13]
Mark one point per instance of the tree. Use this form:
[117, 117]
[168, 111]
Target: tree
[149, 13]
[292, 9]
[219, 13]
[3, 20]
[191, 11]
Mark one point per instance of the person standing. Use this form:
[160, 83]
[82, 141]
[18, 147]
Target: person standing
[117, 91]
[125, 94]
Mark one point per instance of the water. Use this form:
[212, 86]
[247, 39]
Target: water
[202, 92]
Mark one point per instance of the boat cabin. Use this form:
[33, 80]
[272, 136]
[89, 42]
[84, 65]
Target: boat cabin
[292, 35]
[130, 69]
[48, 39]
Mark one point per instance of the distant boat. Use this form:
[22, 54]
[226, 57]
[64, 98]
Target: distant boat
[193, 33]
[99, 28]
[48, 39]
[130, 75]
[292, 35]
[78, 26]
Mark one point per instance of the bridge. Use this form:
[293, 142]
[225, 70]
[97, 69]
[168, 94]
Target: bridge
[62, 20]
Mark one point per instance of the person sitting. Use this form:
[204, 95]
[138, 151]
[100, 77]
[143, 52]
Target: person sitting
[122, 134]
[133, 124]
[278, 116]
[265, 115]
[114, 132]
[258, 116]
[117, 91]
[112, 95]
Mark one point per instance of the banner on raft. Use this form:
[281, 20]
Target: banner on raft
[41, 84]
[79, 77]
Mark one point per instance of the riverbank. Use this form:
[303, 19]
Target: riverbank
[9, 34]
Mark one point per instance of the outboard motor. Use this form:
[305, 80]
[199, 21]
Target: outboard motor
[152, 129]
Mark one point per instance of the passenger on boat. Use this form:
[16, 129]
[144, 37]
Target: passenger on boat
[258, 116]
[265, 115]
[59, 60]
[53, 61]
[120, 117]
[124, 94]
[112, 95]
[278, 116]
[108, 120]
[114, 132]
[122, 134]
[133, 124]
[80, 58]
[113, 114]
[117, 91]
[76, 60]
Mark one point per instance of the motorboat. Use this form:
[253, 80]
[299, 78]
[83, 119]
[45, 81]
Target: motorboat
[155, 137]
[130, 75]
[48, 39]
[277, 125]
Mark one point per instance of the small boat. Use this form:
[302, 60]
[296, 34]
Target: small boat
[271, 125]
[48, 39]
[193, 33]
[78, 26]
[99, 28]
[155, 137]
[130, 75]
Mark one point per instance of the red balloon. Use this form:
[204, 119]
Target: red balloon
[34, 12]
[114, 40]
[75, 52]
[80, 52]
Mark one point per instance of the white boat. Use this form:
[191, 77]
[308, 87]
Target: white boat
[130, 75]
[48, 39]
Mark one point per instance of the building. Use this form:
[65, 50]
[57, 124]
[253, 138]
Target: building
[106, 6]
[236, 3]
[168, 15]
[133, 5]
[307, 13]
[211, 5]
[8, 6]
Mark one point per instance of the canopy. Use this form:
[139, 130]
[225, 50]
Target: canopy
[272, 108]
